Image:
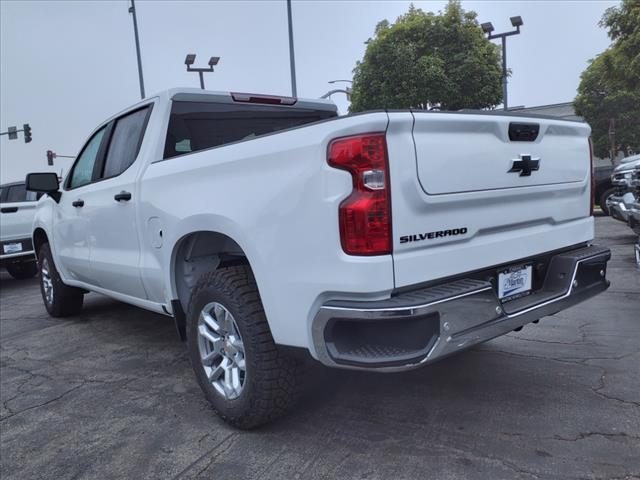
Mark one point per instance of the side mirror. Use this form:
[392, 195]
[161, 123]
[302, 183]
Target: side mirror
[44, 183]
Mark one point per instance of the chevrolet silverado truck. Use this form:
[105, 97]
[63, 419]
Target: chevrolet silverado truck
[273, 230]
[17, 208]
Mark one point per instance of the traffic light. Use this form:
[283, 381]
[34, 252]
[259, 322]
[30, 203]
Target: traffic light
[27, 132]
[13, 133]
[50, 156]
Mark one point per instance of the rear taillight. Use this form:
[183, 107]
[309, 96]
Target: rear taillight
[365, 215]
[592, 197]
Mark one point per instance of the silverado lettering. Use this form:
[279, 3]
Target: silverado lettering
[431, 235]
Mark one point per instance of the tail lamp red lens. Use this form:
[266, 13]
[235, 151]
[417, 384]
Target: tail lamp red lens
[592, 197]
[365, 215]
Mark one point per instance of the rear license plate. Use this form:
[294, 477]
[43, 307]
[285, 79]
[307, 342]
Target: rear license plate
[514, 281]
[12, 247]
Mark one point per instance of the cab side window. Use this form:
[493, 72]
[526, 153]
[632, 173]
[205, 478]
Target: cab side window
[125, 142]
[18, 193]
[82, 173]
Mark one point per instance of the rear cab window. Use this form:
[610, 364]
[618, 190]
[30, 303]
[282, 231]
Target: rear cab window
[199, 125]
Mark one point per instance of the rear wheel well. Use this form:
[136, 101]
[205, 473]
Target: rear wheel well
[199, 253]
[39, 239]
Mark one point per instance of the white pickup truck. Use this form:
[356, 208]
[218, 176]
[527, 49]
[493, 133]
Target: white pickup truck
[17, 208]
[271, 229]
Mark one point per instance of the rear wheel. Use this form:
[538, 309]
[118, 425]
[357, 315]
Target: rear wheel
[22, 270]
[245, 377]
[60, 300]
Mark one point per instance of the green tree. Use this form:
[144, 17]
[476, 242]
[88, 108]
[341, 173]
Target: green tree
[425, 60]
[610, 86]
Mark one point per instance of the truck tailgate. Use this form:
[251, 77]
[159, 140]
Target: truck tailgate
[467, 153]
[458, 203]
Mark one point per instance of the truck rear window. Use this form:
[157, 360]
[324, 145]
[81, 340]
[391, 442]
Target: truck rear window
[197, 126]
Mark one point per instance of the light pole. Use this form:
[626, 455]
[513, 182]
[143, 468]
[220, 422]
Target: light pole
[346, 90]
[132, 11]
[487, 28]
[191, 58]
[292, 57]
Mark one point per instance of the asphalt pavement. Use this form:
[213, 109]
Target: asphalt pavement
[111, 394]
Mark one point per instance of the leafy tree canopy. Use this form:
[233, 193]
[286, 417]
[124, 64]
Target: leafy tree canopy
[610, 86]
[425, 60]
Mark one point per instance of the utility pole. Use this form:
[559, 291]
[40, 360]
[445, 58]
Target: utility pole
[132, 10]
[292, 59]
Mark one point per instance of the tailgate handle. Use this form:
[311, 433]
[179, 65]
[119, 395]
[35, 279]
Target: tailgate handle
[523, 132]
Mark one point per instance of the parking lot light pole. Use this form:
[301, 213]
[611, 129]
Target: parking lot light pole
[190, 60]
[292, 55]
[487, 28]
[132, 11]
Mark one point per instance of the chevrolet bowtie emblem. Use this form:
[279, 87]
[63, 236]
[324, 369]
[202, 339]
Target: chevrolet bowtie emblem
[525, 165]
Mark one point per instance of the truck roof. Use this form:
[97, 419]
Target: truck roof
[199, 95]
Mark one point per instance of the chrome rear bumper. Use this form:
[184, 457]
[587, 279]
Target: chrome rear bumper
[418, 327]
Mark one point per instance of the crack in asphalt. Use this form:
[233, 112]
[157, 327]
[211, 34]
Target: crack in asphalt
[204, 455]
[583, 435]
[55, 399]
[595, 389]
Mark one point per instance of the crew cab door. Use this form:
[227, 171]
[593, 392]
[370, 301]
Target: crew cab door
[71, 220]
[111, 208]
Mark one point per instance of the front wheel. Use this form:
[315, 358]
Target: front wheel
[245, 377]
[22, 270]
[60, 300]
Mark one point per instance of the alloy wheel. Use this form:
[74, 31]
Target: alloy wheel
[47, 282]
[221, 350]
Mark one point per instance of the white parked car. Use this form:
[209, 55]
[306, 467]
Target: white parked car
[273, 230]
[17, 208]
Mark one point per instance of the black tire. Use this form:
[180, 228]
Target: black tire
[271, 379]
[65, 300]
[22, 270]
[602, 201]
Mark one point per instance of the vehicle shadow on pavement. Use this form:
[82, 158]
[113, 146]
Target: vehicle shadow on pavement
[115, 383]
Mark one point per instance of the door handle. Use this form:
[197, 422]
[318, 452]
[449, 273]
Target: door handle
[124, 196]
[9, 209]
[78, 203]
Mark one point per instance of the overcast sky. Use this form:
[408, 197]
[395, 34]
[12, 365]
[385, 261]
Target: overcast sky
[68, 65]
